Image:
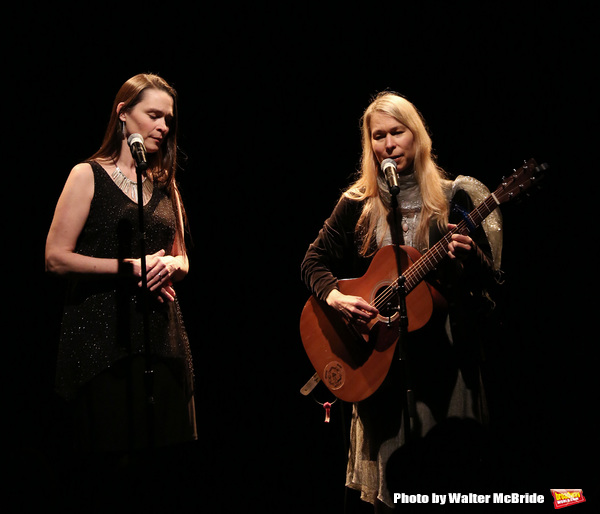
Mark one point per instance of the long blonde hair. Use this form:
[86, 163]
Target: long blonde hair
[430, 177]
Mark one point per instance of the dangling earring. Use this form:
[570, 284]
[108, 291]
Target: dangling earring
[123, 129]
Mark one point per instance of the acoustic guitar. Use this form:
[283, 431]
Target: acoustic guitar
[353, 358]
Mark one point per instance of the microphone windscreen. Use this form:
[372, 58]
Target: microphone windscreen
[386, 163]
[135, 138]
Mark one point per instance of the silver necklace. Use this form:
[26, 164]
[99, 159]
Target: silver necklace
[129, 187]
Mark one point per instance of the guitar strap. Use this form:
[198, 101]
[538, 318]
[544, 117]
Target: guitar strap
[308, 388]
[310, 385]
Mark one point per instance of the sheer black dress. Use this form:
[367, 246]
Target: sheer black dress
[101, 359]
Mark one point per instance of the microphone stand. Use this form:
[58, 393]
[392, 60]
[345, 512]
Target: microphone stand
[141, 167]
[408, 399]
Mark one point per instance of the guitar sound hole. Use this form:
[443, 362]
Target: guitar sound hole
[388, 303]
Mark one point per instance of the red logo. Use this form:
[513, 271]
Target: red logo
[567, 497]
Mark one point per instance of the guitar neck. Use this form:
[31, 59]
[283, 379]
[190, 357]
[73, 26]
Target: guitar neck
[430, 260]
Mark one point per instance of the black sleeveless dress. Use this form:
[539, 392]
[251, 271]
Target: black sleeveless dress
[101, 363]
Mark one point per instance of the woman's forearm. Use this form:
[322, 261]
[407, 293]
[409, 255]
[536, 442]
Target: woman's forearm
[65, 263]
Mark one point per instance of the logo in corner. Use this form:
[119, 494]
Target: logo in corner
[334, 375]
[567, 497]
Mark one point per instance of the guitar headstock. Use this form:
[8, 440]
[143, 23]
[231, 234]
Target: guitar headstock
[527, 176]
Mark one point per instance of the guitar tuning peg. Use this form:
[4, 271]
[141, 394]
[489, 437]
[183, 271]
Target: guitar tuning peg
[541, 167]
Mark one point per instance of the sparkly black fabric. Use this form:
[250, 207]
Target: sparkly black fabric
[102, 325]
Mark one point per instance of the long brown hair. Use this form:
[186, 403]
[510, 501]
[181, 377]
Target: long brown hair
[162, 165]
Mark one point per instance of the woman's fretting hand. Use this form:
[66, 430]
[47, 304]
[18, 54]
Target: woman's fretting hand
[460, 246]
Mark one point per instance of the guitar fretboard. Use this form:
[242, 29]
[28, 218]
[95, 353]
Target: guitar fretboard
[511, 187]
[429, 261]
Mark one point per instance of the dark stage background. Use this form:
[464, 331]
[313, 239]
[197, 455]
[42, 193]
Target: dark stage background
[270, 101]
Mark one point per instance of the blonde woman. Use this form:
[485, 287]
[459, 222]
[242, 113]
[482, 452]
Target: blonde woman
[442, 356]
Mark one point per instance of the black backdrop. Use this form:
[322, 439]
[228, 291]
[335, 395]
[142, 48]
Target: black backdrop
[270, 101]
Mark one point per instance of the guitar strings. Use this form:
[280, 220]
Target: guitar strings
[416, 269]
[421, 266]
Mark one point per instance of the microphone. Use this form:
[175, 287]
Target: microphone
[388, 166]
[138, 151]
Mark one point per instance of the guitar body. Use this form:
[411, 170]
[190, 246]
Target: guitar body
[352, 359]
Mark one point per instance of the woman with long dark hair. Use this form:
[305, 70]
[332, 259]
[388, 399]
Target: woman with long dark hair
[130, 388]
